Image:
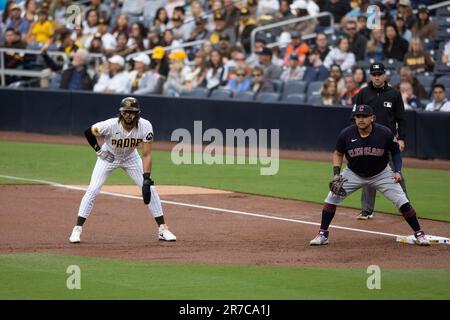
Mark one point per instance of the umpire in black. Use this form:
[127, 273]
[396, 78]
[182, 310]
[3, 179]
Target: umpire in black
[388, 108]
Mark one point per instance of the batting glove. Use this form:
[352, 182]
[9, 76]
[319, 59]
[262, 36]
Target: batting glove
[105, 155]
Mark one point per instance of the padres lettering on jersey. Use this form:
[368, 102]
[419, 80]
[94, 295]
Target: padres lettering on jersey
[120, 142]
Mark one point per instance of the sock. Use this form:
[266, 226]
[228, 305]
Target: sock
[410, 216]
[80, 221]
[328, 212]
[160, 220]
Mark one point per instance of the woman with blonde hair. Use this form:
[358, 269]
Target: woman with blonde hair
[329, 93]
[417, 59]
[196, 77]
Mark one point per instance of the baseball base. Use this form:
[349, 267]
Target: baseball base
[433, 239]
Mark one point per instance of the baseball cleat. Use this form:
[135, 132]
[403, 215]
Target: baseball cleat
[164, 234]
[75, 237]
[365, 215]
[421, 240]
[321, 239]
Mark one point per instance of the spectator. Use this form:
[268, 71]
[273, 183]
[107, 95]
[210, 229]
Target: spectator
[267, 7]
[246, 26]
[424, 27]
[240, 82]
[224, 46]
[315, 71]
[160, 62]
[271, 71]
[180, 30]
[221, 29]
[143, 81]
[416, 58]
[336, 74]
[446, 54]
[136, 36]
[357, 42]
[151, 8]
[42, 30]
[321, 45]
[13, 59]
[338, 8]
[102, 9]
[375, 49]
[15, 21]
[96, 44]
[6, 13]
[410, 101]
[114, 80]
[108, 40]
[300, 7]
[404, 9]
[134, 9]
[171, 5]
[67, 43]
[76, 77]
[402, 29]
[359, 8]
[90, 23]
[167, 38]
[351, 90]
[58, 9]
[418, 89]
[121, 25]
[294, 70]
[196, 78]
[284, 12]
[30, 12]
[152, 39]
[362, 27]
[237, 58]
[232, 13]
[329, 94]
[259, 83]
[394, 47]
[200, 32]
[122, 48]
[298, 46]
[217, 73]
[440, 101]
[341, 56]
[360, 77]
[161, 20]
[253, 58]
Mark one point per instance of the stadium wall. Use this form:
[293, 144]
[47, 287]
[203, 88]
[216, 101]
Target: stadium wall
[301, 126]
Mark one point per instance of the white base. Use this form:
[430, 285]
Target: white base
[433, 239]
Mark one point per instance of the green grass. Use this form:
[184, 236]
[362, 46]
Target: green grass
[43, 276]
[300, 180]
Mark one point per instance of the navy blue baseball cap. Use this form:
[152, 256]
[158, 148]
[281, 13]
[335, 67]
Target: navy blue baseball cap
[377, 68]
[362, 109]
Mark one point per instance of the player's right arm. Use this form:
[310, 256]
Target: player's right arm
[90, 135]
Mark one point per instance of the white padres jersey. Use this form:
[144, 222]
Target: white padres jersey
[120, 142]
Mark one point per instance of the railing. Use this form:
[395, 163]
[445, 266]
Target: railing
[32, 73]
[290, 21]
[168, 48]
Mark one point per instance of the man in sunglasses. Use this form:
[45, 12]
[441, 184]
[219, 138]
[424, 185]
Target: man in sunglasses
[389, 110]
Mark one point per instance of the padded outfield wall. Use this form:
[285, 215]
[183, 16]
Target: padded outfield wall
[301, 126]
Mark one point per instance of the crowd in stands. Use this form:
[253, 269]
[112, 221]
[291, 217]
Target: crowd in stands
[133, 47]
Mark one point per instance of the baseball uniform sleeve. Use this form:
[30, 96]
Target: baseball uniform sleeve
[400, 117]
[148, 131]
[393, 148]
[340, 144]
[103, 128]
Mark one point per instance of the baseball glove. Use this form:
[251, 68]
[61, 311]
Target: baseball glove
[336, 186]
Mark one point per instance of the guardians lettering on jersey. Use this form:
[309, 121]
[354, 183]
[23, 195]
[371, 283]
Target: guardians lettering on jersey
[367, 151]
[126, 143]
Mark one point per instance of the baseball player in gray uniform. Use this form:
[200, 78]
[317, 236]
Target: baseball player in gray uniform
[366, 146]
[122, 136]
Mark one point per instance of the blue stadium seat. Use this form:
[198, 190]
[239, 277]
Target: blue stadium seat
[426, 81]
[442, 68]
[278, 84]
[394, 79]
[443, 12]
[314, 100]
[198, 92]
[294, 87]
[392, 64]
[445, 80]
[221, 94]
[245, 96]
[314, 88]
[296, 98]
[268, 96]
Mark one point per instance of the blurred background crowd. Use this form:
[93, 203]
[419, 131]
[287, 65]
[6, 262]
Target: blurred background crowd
[210, 48]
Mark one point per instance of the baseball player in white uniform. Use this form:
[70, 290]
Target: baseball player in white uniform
[121, 138]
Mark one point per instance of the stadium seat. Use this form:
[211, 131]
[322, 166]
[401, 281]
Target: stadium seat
[314, 100]
[443, 34]
[426, 81]
[314, 88]
[445, 80]
[442, 68]
[221, 94]
[198, 92]
[392, 64]
[424, 102]
[443, 12]
[296, 98]
[245, 96]
[278, 84]
[268, 96]
[394, 79]
[293, 87]
[428, 44]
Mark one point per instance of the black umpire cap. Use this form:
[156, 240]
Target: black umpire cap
[377, 68]
[362, 109]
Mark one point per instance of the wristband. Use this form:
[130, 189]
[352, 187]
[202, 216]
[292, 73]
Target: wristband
[336, 170]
